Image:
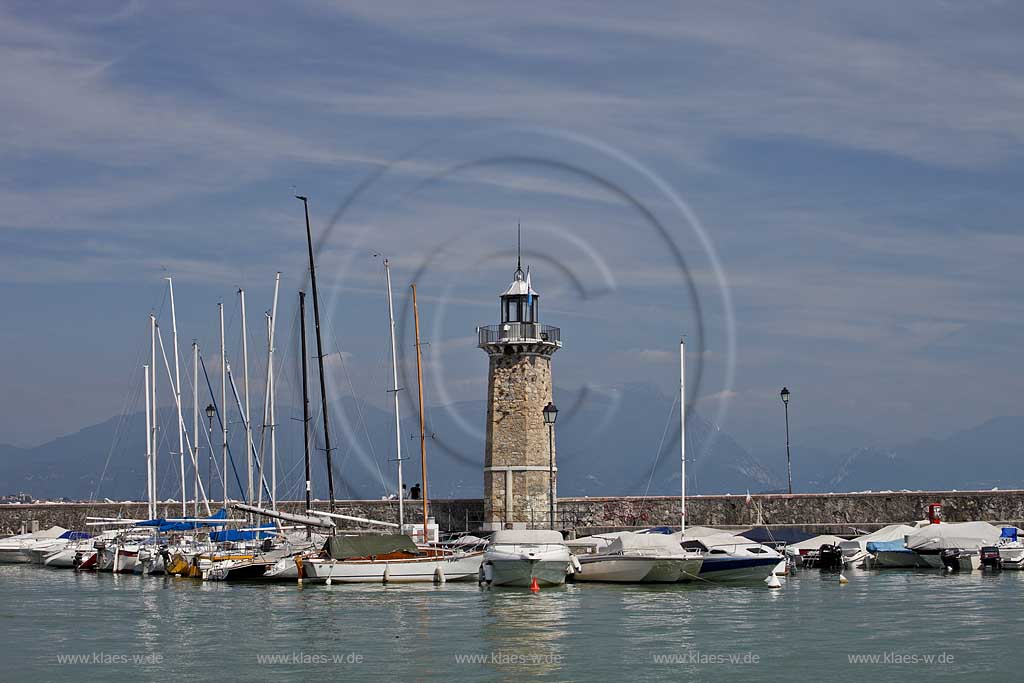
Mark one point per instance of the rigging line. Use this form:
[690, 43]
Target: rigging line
[220, 420]
[359, 411]
[256, 455]
[661, 444]
[130, 400]
[132, 381]
[366, 431]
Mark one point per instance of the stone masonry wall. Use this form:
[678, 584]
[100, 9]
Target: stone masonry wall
[823, 513]
[519, 386]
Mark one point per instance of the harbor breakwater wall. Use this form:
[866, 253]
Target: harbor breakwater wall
[838, 513]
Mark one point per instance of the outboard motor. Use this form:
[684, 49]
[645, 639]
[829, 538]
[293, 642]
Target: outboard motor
[830, 558]
[951, 559]
[267, 545]
[990, 558]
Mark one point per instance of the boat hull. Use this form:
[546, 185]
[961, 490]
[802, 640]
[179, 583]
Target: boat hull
[627, 569]
[413, 570]
[14, 556]
[1012, 557]
[895, 559]
[522, 572]
[728, 569]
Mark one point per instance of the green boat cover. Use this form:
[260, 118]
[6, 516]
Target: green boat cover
[351, 547]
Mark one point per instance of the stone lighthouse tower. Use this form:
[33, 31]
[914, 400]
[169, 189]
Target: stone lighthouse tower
[518, 462]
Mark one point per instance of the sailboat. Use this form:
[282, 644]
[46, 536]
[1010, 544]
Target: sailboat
[397, 558]
[726, 558]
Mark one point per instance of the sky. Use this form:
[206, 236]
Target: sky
[817, 195]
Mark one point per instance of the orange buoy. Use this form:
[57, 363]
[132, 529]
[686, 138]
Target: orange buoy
[533, 585]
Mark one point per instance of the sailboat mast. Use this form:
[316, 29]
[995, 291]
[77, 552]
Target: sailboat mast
[419, 382]
[153, 462]
[682, 434]
[177, 400]
[223, 408]
[305, 400]
[319, 355]
[149, 447]
[271, 389]
[245, 378]
[195, 428]
[394, 391]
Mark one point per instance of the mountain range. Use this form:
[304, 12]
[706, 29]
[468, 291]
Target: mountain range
[617, 443]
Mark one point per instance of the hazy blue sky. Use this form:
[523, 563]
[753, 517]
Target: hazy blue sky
[857, 169]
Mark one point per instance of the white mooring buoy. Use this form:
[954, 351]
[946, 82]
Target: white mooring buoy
[843, 580]
[439, 575]
[773, 581]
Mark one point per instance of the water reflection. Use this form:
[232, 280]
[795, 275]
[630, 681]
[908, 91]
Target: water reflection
[523, 632]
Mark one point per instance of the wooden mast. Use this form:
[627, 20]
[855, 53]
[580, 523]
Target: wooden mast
[423, 434]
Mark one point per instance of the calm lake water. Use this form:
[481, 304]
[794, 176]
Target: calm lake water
[157, 629]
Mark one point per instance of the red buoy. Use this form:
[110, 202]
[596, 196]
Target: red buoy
[533, 585]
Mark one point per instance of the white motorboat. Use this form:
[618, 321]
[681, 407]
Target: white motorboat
[960, 541]
[732, 559]
[17, 549]
[522, 557]
[893, 555]
[637, 558]
[1009, 549]
[39, 549]
[64, 557]
[386, 558]
[1011, 555]
[807, 554]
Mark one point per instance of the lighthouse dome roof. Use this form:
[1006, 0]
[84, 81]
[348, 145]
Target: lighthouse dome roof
[521, 285]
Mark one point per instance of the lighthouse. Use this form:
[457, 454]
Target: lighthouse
[519, 463]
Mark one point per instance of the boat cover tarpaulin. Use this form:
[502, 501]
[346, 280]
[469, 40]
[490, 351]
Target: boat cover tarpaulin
[527, 536]
[762, 534]
[813, 543]
[351, 547]
[645, 544]
[963, 535]
[892, 532]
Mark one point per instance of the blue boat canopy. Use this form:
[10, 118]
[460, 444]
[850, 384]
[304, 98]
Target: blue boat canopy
[887, 546]
[74, 535]
[239, 535]
[163, 525]
[1009, 532]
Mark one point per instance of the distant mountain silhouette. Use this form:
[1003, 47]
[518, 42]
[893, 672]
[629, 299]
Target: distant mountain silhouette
[622, 442]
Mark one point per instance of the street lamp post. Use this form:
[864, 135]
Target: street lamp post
[210, 412]
[789, 466]
[550, 415]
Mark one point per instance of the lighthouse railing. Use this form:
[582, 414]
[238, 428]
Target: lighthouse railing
[519, 332]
